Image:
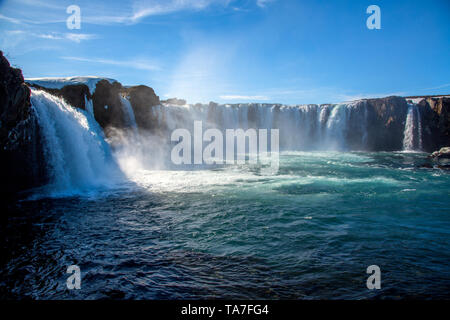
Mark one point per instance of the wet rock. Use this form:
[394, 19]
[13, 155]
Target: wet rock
[75, 94]
[435, 113]
[443, 152]
[142, 99]
[108, 109]
[21, 155]
[175, 101]
[385, 123]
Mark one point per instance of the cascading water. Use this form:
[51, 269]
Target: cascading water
[78, 158]
[306, 127]
[128, 109]
[412, 136]
[336, 126]
[89, 106]
[419, 127]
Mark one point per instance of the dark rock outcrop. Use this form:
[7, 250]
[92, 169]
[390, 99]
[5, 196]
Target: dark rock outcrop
[435, 114]
[22, 164]
[443, 153]
[176, 101]
[385, 123]
[441, 159]
[142, 99]
[74, 94]
[108, 110]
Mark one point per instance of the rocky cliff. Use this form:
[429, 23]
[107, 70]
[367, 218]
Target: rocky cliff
[435, 113]
[142, 99]
[22, 160]
[106, 103]
[385, 123]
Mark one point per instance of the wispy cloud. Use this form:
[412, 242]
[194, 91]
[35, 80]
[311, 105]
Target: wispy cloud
[323, 94]
[32, 21]
[9, 19]
[78, 37]
[131, 12]
[354, 97]
[75, 37]
[150, 8]
[142, 9]
[135, 64]
[438, 87]
[49, 36]
[42, 4]
[239, 97]
[263, 3]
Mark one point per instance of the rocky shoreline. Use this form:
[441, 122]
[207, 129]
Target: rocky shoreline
[23, 164]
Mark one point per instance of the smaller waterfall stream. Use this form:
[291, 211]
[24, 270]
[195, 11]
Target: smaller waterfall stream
[412, 135]
[129, 113]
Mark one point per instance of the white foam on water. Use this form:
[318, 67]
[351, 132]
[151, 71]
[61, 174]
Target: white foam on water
[246, 178]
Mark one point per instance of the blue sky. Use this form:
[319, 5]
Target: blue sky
[286, 51]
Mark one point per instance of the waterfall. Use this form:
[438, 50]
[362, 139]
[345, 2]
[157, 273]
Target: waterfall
[336, 126]
[419, 126]
[412, 135]
[302, 127]
[78, 158]
[408, 134]
[128, 109]
[89, 106]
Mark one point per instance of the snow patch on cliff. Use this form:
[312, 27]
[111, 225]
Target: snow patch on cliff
[59, 83]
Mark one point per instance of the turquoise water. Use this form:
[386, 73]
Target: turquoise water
[308, 232]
